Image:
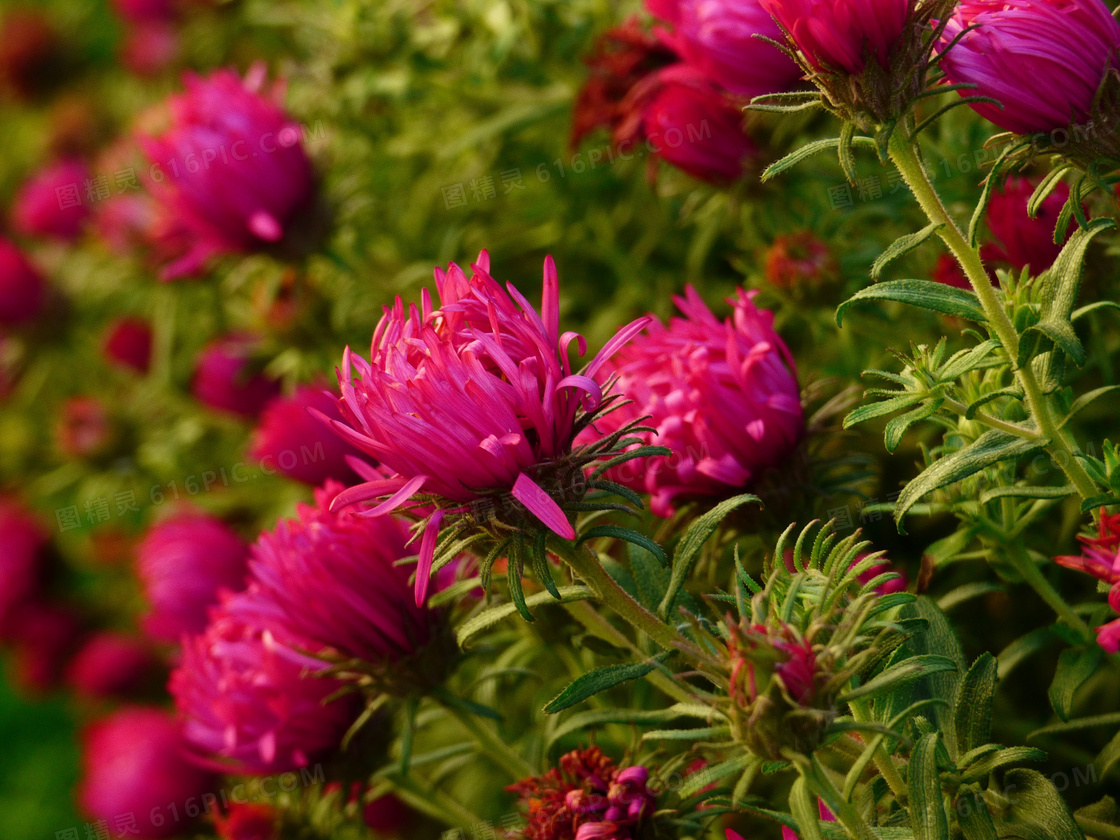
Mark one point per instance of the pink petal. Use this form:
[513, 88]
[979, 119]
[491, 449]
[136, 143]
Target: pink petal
[427, 554]
[542, 506]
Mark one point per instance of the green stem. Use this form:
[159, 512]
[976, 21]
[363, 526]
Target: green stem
[434, 803]
[492, 744]
[607, 590]
[590, 618]
[1095, 828]
[992, 422]
[903, 153]
[1046, 591]
[882, 761]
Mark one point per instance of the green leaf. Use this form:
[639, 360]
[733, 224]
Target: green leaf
[1038, 811]
[1062, 283]
[976, 822]
[602, 717]
[1075, 666]
[972, 717]
[897, 675]
[1087, 399]
[803, 806]
[927, 294]
[713, 773]
[1061, 333]
[927, 807]
[807, 151]
[990, 448]
[693, 540]
[902, 246]
[873, 410]
[488, 618]
[600, 679]
[995, 758]
[940, 639]
[844, 151]
[627, 535]
[1026, 491]
[896, 428]
[1108, 756]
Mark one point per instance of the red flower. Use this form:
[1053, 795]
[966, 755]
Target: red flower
[799, 258]
[247, 822]
[23, 291]
[128, 343]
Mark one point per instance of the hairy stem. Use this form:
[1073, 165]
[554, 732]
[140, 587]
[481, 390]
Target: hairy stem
[904, 154]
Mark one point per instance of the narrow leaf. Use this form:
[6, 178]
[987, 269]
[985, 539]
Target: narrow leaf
[972, 718]
[902, 246]
[591, 683]
[926, 294]
[927, 808]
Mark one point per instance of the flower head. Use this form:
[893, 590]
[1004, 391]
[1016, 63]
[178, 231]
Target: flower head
[799, 258]
[842, 34]
[333, 579]
[23, 291]
[22, 539]
[472, 401]
[252, 702]
[110, 664]
[297, 444]
[45, 636]
[1044, 60]
[1019, 240]
[722, 396]
[247, 822]
[184, 563]
[224, 378]
[1100, 556]
[128, 343]
[51, 202]
[719, 39]
[84, 427]
[133, 763]
[245, 198]
[586, 797]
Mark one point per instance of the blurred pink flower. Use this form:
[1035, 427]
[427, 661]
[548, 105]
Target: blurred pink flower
[84, 428]
[474, 397]
[722, 396]
[133, 762]
[689, 123]
[185, 561]
[44, 636]
[150, 47]
[717, 37]
[233, 166]
[224, 378]
[1042, 59]
[22, 539]
[251, 702]
[247, 822]
[298, 444]
[1019, 240]
[799, 259]
[333, 578]
[841, 35]
[53, 201]
[128, 343]
[23, 291]
[138, 11]
[110, 664]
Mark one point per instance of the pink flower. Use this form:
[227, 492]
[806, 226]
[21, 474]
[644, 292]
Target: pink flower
[128, 343]
[1101, 554]
[1020, 240]
[184, 563]
[883, 567]
[110, 664]
[1042, 59]
[52, 203]
[234, 170]
[299, 445]
[23, 291]
[690, 124]
[44, 637]
[251, 702]
[138, 11]
[333, 578]
[247, 822]
[799, 259]
[133, 763]
[841, 35]
[717, 37]
[224, 378]
[722, 396]
[84, 428]
[470, 399]
[150, 47]
[22, 539]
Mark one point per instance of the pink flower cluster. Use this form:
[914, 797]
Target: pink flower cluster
[723, 396]
[842, 35]
[1101, 559]
[679, 90]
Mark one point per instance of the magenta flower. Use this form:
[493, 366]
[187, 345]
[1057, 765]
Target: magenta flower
[110, 664]
[1100, 558]
[149, 47]
[717, 37]
[248, 822]
[842, 35]
[23, 291]
[184, 563]
[22, 539]
[333, 578]
[474, 398]
[224, 378]
[722, 396]
[291, 440]
[690, 124]
[128, 343]
[133, 764]
[233, 166]
[140, 11]
[1044, 60]
[1019, 240]
[52, 203]
[251, 702]
[44, 637]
